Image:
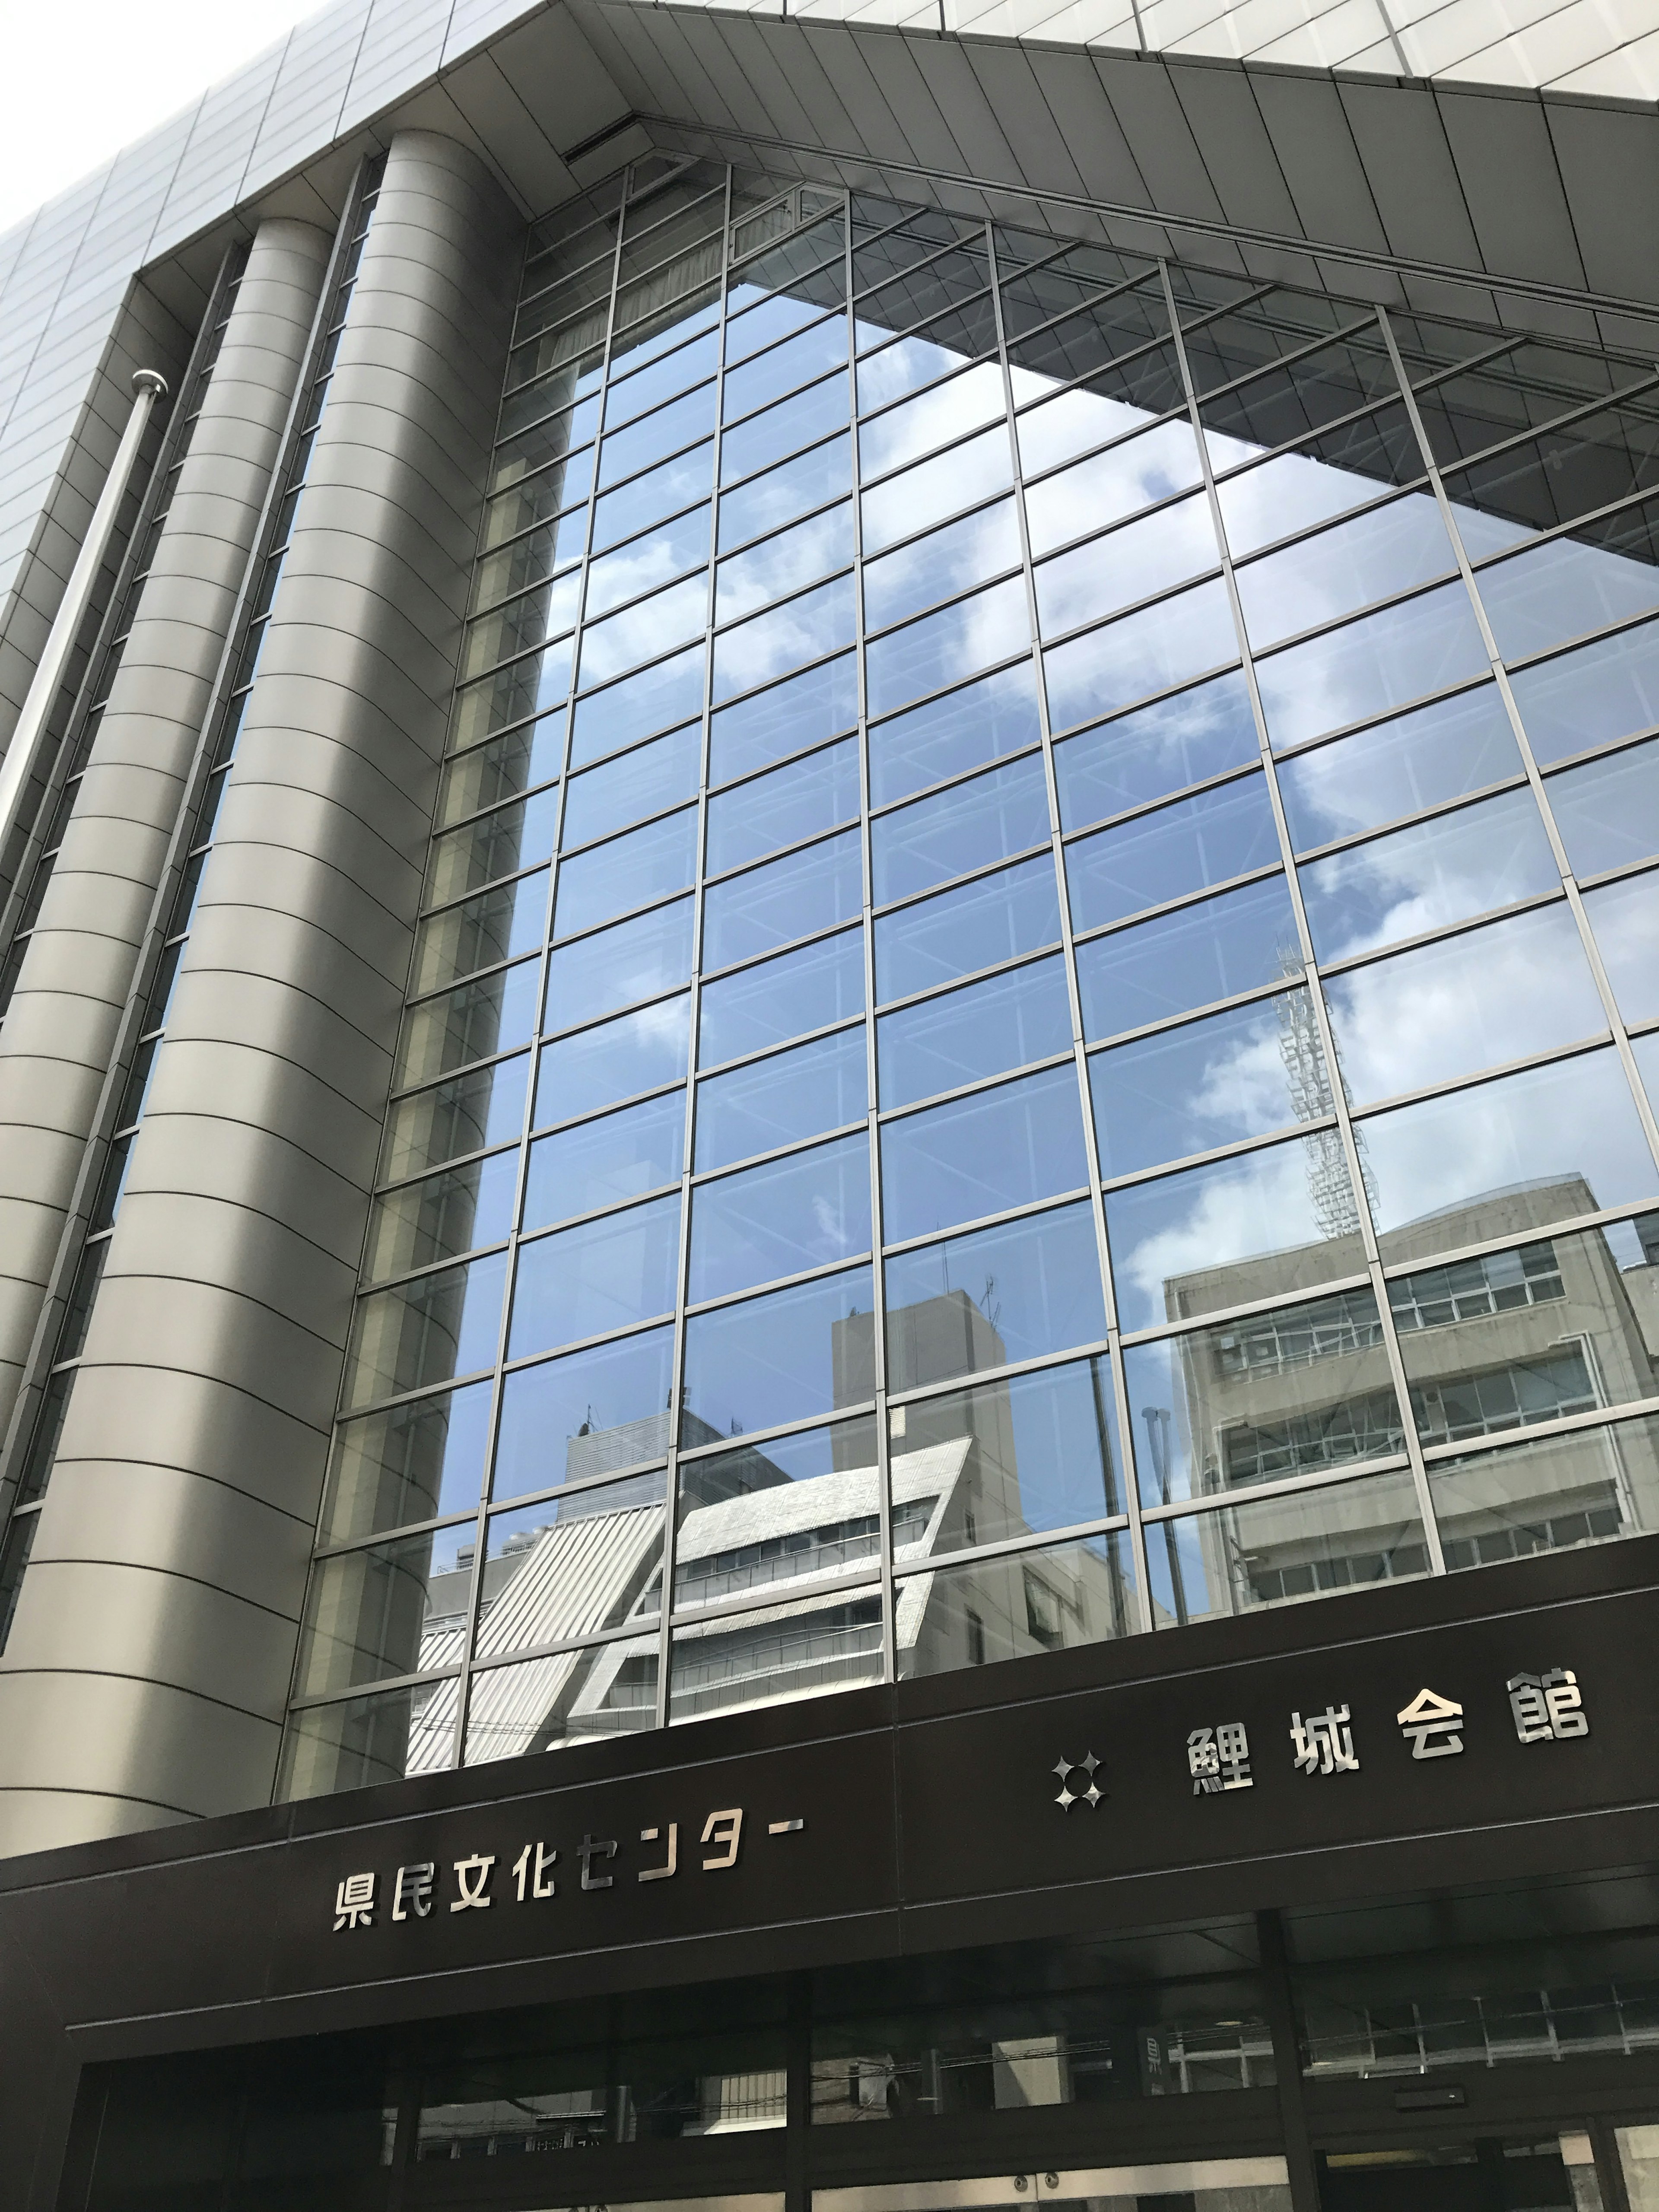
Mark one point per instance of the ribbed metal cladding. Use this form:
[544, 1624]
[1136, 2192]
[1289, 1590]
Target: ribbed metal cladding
[61, 1024]
[148, 1664]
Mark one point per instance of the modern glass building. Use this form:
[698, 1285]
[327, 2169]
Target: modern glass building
[831, 937]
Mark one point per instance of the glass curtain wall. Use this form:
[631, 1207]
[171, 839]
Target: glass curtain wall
[89, 1267]
[1038, 970]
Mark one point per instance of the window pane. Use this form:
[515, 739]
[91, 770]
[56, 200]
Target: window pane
[784, 563]
[546, 611]
[484, 1108]
[1040, 1452]
[1345, 567]
[767, 501]
[780, 998]
[830, 1519]
[634, 394]
[996, 714]
[373, 1613]
[636, 783]
[819, 703]
[606, 1162]
[493, 925]
[781, 1358]
[1354, 1536]
[634, 960]
[1183, 739]
[1144, 384]
[787, 1652]
[1625, 917]
[1591, 697]
[974, 470]
[567, 1568]
[1372, 665]
[920, 425]
[497, 844]
[1300, 1389]
[1152, 650]
[779, 1219]
[1055, 1599]
[625, 452]
[1026, 1288]
[945, 562]
[1398, 768]
[1546, 1329]
[1263, 1224]
[1242, 1073]
[588, 1696]
[631, 572]
[962, 828]
[502, 769]
[1119, 481]
[1561, 590]
[889, 369]
[1607, 810]
[1179, 848]
[491, 1015]
[643, 631]
[1332, 473]
[538, 499]
[635, 506]
[361, 1741]
[410, 1463]
[769, 645]
[1553, 1495]
[441, 1218]
[613, 1060]
[942, 648]
[589, 1414]
[1434, 872]
[671, 691]
[425, 1331]
[1130, 564]
[527, 686]
[579, 1282]
[980, 1155]
[1460, 1167]
[806, 891]
[799, 800]
[1179, 962]
[765, 438]
[641, 865]
[1494, 994]
[776, 1102]
[1015, 911]
[781, 368]
[980, 1031]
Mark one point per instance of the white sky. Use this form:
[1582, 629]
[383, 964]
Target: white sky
[81, 78]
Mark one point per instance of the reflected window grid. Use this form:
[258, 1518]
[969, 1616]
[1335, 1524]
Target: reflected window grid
[1340, 1117]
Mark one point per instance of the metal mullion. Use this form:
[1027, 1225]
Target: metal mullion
[1388, 496]
[955, 598]
[511, 659]
[727, 1299]
[497, 806]
[776, 951]
[400, 1532]
[671, 1528]
[831, 1583]
[966, 982]
[1556, 531]
[783, 852]
[1464, 927]
[1028, 1210]
[1565, 1424]
[779, 530]
[1620, 874]
[844, 1022]
[807, 752]
[1040, 1363]
[1437, 812]
[784, 599]
[937, 453]
[1099, 298]
[1248, 1309]
[462, 1067]
[907, 275]
[971, 876]
[1541, 655]
[1217, 781]
[1466, 683]
[1552, 770]
[482, 890]
[794, 1147]
[1263, 1141]
[1143, 1606]
[596, 1640]
[1389, 601]
[1117, 361]
[1193, 1015]
[1316, 994]
[1610, 1008]
[872, 1072]
[418, 1679]
[1288, 1486]
[918, 536]
[723, 491]
[540, 1358]
[1014, 1548]
[470, 1620]
[958, 682]
[892, 806]
[862, 1407]
[1289, 360]
[1018, 1074]
[1516, 439]
[1265, 873]
[612, 836]
[1141, 606]
[782, 399]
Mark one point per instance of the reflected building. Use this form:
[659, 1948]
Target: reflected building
[830, 928]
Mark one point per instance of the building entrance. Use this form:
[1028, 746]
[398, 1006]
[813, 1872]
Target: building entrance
[1537, 2167]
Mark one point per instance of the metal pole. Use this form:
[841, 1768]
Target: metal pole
[22, 754]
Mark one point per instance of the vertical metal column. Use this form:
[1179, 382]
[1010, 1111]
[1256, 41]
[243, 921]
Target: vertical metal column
[149, 1663]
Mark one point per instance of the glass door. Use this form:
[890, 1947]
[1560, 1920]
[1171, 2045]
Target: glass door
[1209, 2184]
[1539, 2169]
